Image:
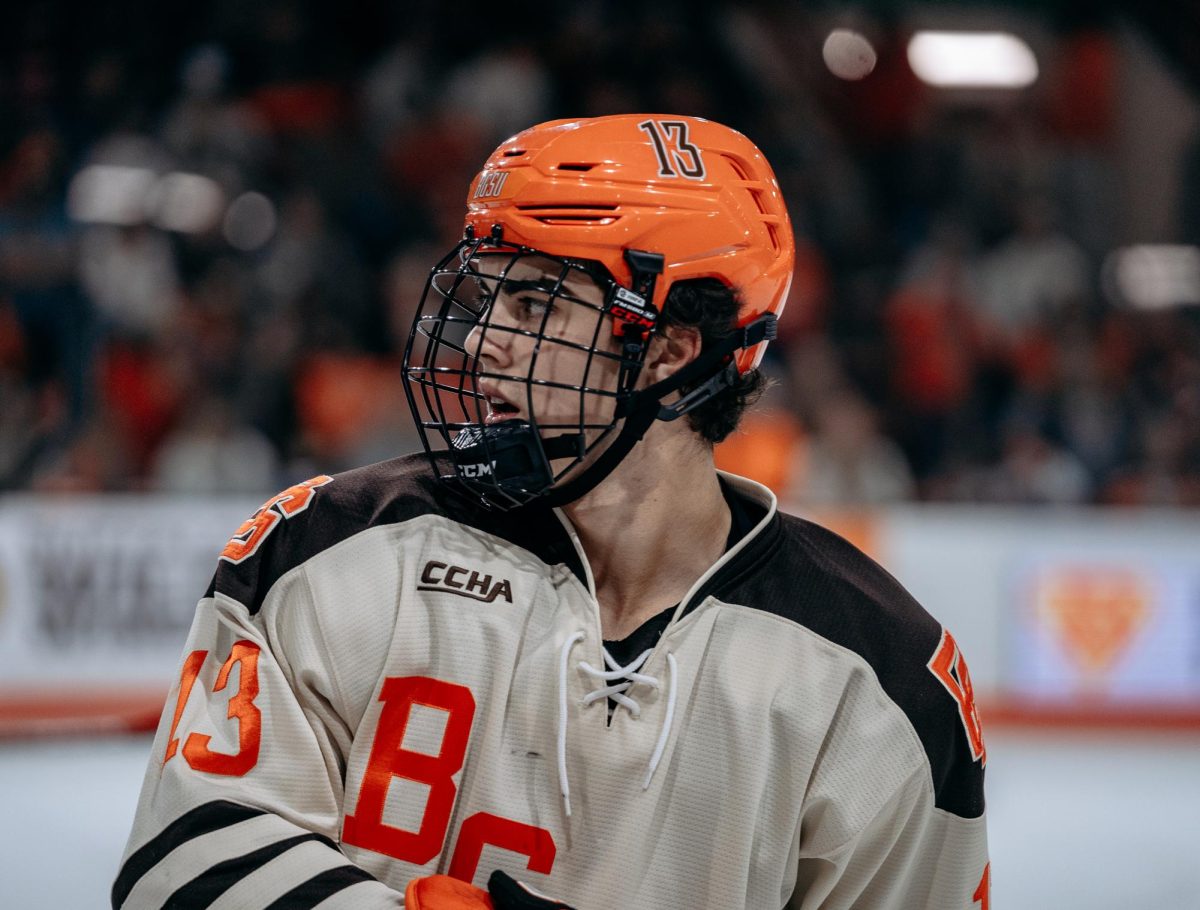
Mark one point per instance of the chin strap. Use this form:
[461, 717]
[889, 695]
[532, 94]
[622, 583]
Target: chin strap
[642, 408]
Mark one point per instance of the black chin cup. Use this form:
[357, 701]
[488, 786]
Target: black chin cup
[509, 460]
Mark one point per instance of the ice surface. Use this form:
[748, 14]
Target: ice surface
[1077, 821]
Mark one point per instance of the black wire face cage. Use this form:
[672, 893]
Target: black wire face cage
[486, 293]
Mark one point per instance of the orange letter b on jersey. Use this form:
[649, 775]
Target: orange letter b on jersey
[949, 666]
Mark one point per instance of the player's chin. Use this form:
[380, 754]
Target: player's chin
[495, 417]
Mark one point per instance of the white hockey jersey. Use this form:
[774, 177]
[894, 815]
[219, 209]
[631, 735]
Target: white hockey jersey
[383, 683]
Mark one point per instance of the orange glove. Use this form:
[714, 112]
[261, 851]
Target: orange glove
[441, 892]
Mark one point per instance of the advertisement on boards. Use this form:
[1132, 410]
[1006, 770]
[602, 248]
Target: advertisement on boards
[1120, 629]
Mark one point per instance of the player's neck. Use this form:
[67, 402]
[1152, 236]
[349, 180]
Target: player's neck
[654, 526]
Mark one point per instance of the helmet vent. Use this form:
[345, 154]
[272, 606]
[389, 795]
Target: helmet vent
[773, 232]
[514, 153]
[743, 174]
[738, 167]
[530, 208]
[581, 166]
[580, 220]
[579, 215]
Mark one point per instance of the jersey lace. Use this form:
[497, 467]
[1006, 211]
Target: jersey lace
[616, 682]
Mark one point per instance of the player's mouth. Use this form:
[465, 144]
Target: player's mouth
[499, 408]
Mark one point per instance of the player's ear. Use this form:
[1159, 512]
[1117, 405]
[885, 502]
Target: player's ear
[670, 351]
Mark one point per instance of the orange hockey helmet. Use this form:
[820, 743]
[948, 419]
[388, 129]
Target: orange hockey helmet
[634, 203]
[699, 193]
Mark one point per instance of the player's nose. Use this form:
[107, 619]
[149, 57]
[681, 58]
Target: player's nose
[490, 340]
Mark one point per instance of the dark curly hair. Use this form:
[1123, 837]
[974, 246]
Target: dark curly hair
[709, 306]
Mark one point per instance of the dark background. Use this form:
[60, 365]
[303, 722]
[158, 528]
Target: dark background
[954, 330]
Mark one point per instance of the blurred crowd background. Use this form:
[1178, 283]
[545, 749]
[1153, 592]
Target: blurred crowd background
[216, 220]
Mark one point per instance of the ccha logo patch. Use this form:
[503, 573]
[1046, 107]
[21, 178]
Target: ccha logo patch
[464, 582]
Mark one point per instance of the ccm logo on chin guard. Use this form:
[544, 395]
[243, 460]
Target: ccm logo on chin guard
[440, 576]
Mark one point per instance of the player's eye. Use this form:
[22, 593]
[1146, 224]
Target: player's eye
[478, 296]
[534, 307]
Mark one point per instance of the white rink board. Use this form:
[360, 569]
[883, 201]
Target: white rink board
[101, 590]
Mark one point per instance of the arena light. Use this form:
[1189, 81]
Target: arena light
[1155, 276]
[250, 222]
[187, 203]
[126, 195]
[972, 60]
[110, 194]
[848, 54]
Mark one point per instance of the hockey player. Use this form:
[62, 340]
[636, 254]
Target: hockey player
[558, 646]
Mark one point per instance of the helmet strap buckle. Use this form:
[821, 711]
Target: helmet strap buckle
[724, 378]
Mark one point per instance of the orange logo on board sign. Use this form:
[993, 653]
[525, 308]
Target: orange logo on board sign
[1096, 612]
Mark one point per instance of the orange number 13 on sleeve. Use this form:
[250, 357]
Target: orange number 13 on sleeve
[983, 894]
[241, 708]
